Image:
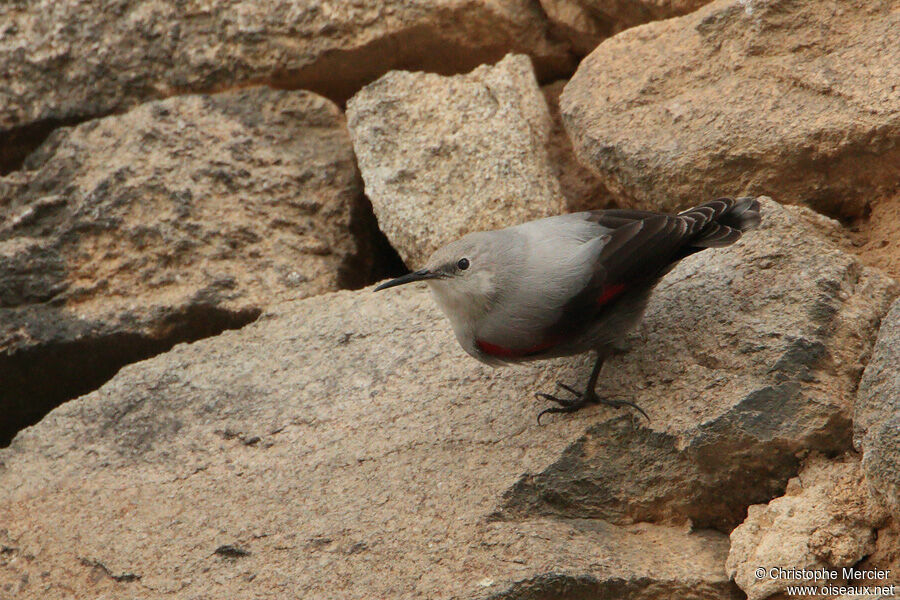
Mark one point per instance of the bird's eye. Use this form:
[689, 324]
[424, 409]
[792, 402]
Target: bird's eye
[462, 264]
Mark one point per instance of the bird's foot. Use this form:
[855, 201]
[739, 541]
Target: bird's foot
[566, 406]
[581, 400]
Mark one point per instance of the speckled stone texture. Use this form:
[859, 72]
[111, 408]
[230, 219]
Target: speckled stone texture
[797, 100]
[445, 156]
[67, 61]
[827, 519]
[126, 235]
[346, 436]
[877, 414]
[585, 23]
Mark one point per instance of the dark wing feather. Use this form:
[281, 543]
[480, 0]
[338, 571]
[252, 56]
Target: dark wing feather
[717, 235]
[636, 254]
[618, 217]
[644, 246]
[638, 250]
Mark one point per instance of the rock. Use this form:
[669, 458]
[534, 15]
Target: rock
[876, 236]
[347, 435]
[580, 186]
[748, 356]
[792, 99]
[335, 440]
[826, 520]
[184, 217]
[443, 156]
[876, 419]
[585, 23]
[885, 557]
[64, 62]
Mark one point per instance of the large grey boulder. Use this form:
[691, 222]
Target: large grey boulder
[444, 156]
[346, 436]
[68, 61]
[127, 234]
[339, 446]
[876, 419]
[797, 100]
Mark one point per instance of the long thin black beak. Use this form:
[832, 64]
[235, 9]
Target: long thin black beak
[409, 278]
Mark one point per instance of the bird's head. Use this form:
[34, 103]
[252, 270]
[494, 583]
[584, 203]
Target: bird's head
[463, 275]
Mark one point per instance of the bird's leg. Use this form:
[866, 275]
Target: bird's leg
[589, 396]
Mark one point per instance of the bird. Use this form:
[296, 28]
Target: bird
[569, 284]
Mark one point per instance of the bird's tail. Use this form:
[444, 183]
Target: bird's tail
[720, 222]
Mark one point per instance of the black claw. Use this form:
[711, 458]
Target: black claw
[634, 406]
[569, 389]
[565, 406]
[580, 401]
[562, 402]
[552, 409]
[559, 409]
[620, 403]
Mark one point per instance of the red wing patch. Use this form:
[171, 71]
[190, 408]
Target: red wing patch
[495, 350]
[610, 293]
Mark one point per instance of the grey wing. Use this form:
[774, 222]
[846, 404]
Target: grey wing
[579, 265]
[559, 262]
[642, 247]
